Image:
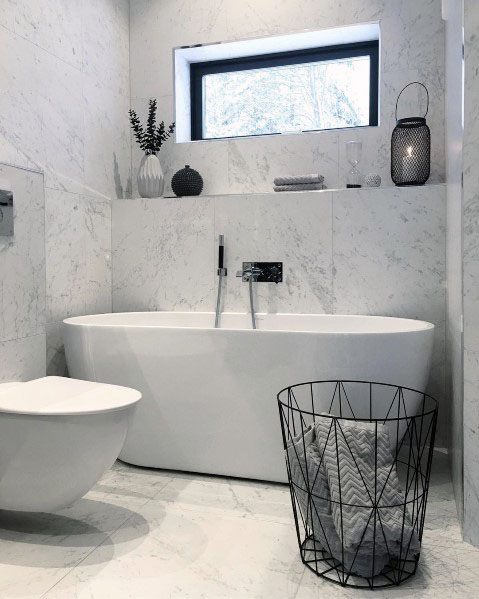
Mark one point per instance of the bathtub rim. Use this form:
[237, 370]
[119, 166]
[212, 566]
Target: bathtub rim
[415, 326]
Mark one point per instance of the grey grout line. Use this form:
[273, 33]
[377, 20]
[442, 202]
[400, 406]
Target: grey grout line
[108, 537]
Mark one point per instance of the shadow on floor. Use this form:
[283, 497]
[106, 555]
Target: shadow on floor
[61, 539]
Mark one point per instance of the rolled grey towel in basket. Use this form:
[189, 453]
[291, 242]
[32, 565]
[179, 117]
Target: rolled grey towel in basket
[298, 179]
[362, 462]
[308, 472]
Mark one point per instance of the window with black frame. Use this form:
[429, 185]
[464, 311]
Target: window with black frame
[305, 90]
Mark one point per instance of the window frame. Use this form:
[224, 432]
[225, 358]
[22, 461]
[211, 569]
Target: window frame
[199, 69]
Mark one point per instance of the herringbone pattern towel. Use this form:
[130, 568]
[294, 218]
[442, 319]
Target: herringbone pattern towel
[339, 503]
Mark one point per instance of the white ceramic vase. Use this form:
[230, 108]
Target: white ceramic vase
[151, 181]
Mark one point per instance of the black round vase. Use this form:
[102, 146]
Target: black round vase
[187, 182]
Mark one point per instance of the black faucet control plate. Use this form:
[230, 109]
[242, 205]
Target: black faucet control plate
[271, 272]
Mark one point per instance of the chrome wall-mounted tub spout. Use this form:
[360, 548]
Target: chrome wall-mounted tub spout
[222, 272]
[259, 272]
[250, 273]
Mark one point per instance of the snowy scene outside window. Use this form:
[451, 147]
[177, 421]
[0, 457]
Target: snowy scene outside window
[299, 97]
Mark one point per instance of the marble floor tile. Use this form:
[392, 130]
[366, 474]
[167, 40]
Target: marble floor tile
[147, 534]
[38, 550]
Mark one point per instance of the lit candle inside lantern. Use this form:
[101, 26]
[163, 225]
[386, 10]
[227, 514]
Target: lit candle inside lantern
[409, 167]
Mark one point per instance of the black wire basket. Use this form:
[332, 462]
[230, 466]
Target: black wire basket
[358, 456]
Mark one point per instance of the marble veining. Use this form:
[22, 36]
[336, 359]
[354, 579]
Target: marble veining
[23, 359]
[286, 227]
[145, 533]
[471, 273]
[412, 48]
[78, 255]
[75, 127]
[367, 251]
[22, 286]
[167, 258]
[64, 72]
[389, 258]
[22, 259]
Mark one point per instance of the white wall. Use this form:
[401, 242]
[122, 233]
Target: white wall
[362, 251]
[471, 273]
[22, 280]
[412, 49]
[454, 141]
[64, 76]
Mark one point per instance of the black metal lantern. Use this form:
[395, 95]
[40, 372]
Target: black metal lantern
[411, 147]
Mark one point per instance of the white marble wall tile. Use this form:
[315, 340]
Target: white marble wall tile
[65, 75]
[22, 359]
[253, 163]
[470, 431]
[105, 42]
[155, 30]
[471, 272]
[78, 255]
[60, 102]
[394, 236]
[258, 19]
[22, 259]
[389, 259]
[107, 146]
[413, 34]
[293, 228]
[64, 72]
[7, 14]
[163, 254]
[97, 243]
[65, 255]
[36, 22]
[21, 117]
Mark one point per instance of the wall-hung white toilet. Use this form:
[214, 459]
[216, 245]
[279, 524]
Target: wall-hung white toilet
[57, 437]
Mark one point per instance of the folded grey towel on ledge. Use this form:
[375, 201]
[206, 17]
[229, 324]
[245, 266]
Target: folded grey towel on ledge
[300, 187]
[295, 179]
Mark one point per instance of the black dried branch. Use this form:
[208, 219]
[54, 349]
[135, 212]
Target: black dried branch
[151, 140]
[151, 125]
[137, 128]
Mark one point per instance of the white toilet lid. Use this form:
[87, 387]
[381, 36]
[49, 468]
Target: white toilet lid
[56, 396]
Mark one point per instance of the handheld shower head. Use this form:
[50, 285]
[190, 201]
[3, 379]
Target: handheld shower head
[221, 256]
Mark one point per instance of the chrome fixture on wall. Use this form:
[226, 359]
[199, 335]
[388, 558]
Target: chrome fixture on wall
[259, 272]
[6, 208]
[264, 272]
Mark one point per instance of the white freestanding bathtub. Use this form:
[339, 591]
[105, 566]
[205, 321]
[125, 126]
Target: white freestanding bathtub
[209, 395]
